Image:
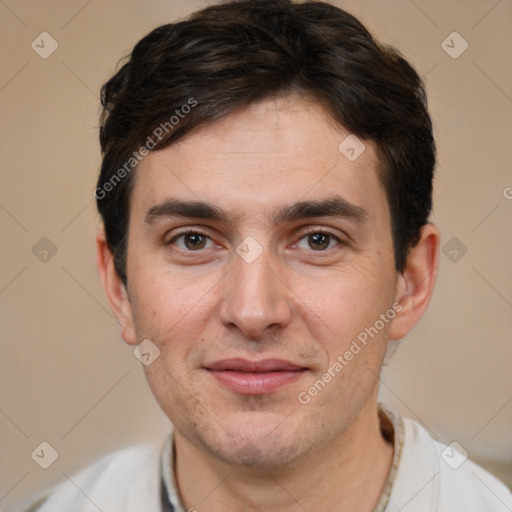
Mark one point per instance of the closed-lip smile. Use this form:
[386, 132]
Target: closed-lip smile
[247, 377]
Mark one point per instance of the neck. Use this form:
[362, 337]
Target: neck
[349, 473]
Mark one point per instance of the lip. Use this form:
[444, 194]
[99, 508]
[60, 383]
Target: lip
[255, 377]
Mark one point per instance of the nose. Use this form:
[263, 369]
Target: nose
[255, 299]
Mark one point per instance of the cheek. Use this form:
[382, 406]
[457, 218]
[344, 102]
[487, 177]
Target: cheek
[339, 301]
[171, 306]
[343, 307]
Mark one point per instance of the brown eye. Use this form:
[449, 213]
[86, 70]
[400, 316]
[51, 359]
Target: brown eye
[319, 241]
[191, 241]
[194, 241]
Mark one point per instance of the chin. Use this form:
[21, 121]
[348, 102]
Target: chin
[256, 440]
[257, 453]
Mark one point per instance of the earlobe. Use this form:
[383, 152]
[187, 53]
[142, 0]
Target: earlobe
[416, 282]
[115, 290]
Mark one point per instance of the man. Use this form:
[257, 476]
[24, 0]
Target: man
[265, 192]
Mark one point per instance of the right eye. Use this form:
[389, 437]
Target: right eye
[191, 241]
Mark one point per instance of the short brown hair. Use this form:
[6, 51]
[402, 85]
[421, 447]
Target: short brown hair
[227, 56]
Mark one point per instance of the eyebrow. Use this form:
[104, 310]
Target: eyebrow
[336, 206]
[180, 208]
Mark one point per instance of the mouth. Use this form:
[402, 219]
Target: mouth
[254, 377]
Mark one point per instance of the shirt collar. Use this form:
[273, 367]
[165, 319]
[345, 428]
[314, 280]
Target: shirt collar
[392, 428]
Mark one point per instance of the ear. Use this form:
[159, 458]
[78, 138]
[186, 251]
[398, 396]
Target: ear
[416, 282]
[115, 289]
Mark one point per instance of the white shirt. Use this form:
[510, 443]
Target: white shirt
[425, 476]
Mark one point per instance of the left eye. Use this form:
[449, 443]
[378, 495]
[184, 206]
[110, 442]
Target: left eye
[192, 241]
[318, 241]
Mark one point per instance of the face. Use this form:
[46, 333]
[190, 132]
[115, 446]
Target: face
[257, 254]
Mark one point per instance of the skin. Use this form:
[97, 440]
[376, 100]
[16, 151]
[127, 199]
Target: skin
[295, 301]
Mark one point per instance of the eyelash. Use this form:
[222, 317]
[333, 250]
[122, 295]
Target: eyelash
[311, 231]
[187, 232]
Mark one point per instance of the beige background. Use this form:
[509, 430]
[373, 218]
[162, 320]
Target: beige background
[65, 376]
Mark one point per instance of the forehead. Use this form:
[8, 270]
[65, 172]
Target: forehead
[275, 152]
